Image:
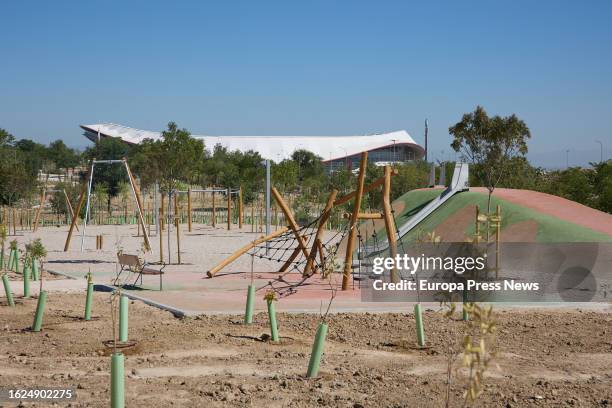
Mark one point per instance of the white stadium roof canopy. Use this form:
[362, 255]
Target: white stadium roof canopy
[270, 147]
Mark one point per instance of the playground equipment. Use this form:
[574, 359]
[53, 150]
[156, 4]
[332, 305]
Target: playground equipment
[86, 193]
[459, 183]
[302, 249]
[43, 199]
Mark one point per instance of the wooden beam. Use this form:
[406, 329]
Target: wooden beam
[78, 211]
[70, 209]
[243, 250]
[350, 245]
[240, 208]
[324, 217]
[389, 221]
[376, 183]
[291, 221]
[136, 191]
[43, 195]
[365, 216]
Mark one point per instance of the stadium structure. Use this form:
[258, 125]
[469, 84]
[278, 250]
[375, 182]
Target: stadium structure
[336, 151]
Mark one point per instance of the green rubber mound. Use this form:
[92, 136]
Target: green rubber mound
[549, 228]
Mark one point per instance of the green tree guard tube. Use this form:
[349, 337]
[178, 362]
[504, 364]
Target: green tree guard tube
[26, 283]
[1, 258]
[272, 318]
[40, 310]
[123, 319]
[28, 271]
[11, 259]
[35, 274]
[248, 314]
[89, 298]
[8, 291]
[16, 262]
[418, 317]
[317, 351]
[117, 381]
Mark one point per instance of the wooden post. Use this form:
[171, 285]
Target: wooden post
[40, 206]
[240, 208]
[162, 212]
[324, 217]
[70, 209]
[229, 208]
[136, 190]
[177, 222]
[389, 222]
[161, 243]
[291, 221]
[14, 221]
[214, 210]
[78, 211]
[252, 216]
[350, 246]
[189, 209]
[244, 249]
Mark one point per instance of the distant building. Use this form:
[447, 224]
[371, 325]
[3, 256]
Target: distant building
[336, 151]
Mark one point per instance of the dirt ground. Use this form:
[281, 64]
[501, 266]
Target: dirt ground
[546, 358]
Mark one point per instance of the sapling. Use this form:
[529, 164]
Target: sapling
[38, 253]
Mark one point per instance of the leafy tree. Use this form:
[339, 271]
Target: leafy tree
[490, 143]
[62, 156]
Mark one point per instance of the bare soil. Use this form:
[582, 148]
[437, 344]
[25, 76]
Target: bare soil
[546, 358]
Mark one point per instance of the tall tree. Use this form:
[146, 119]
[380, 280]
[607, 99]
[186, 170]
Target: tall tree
[490, 143]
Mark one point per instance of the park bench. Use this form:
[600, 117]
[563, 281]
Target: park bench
[131, 263]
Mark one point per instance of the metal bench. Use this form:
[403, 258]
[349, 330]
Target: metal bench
[131, 263]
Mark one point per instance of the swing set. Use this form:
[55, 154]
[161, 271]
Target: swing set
[85, 196]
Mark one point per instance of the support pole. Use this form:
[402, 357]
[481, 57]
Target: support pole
[229, 209]
[389, 222]
[350, 246]
[177, 223]
[418, 317]
[38, 211]
[136, 192]
[243, 250]
[291, 221]
[189, 209]
[70, 209]
[324, 217]
[87, 205]
[214, 211]
[240, 208]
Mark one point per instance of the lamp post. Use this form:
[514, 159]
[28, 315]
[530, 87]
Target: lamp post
[266, 163]
[394, 141]
[600, 150]
[567, 159]
[345, 157]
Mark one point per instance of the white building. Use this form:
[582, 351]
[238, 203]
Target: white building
[336, 151]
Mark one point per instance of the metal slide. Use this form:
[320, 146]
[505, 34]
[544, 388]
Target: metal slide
[460, 182]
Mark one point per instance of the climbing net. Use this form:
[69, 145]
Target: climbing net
[286, 251]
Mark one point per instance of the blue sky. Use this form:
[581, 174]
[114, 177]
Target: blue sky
[310, 67]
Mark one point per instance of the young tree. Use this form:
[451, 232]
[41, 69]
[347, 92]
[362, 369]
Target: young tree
[490, 143]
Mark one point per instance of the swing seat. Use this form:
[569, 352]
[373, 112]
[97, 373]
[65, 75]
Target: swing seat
[132, 264]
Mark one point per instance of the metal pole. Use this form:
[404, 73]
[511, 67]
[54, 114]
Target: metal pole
[267, 203]
[87, 206]
[168, 223]
[600, 150]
